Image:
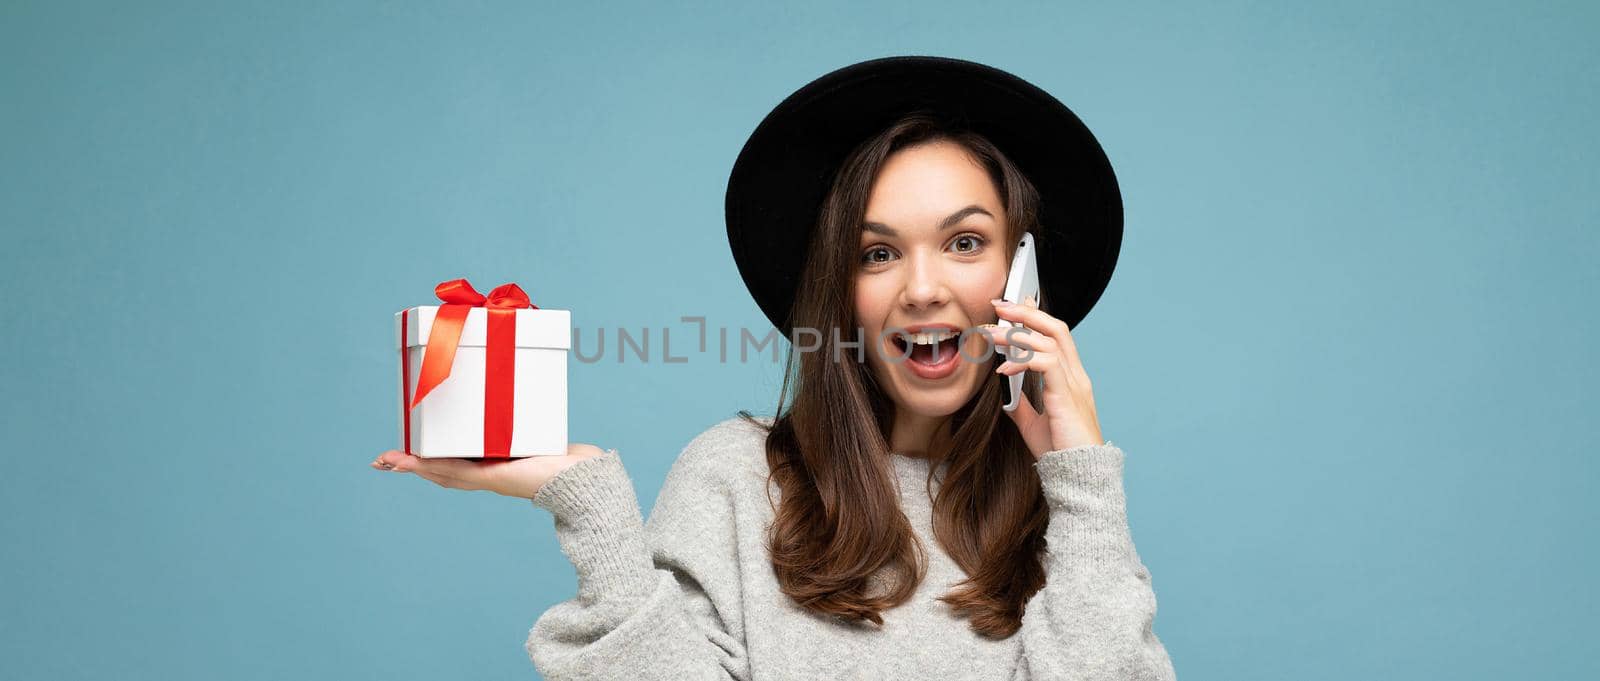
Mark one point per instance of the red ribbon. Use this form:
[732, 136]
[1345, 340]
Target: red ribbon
[500, 354]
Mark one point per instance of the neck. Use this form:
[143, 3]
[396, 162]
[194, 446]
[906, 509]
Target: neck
[915, 434]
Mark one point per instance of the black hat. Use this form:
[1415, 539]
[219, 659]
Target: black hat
[786, 168]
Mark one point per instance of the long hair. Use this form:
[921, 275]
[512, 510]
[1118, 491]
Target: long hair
[840, 545]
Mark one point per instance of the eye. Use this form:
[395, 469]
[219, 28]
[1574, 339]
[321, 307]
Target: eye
[973, 242]
[872, 256]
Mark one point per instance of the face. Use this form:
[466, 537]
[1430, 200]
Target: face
[933, 253]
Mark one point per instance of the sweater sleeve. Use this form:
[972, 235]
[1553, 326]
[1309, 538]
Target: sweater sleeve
[1093, 618]
[641, 612]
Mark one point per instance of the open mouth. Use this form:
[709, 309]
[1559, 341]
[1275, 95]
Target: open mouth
[930, 354]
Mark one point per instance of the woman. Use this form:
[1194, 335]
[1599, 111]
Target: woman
[889, 522]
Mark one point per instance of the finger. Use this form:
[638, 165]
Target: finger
[1039, 320]
[1048, 365]
[1040, 362]
[388, 461]
[468, 474]
[437, 479]
[401, 462]
[1025, 351]
[1020, 338]
[1031, 317]
[464, 473]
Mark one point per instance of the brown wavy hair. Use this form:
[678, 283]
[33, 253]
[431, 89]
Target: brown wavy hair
[840, 545]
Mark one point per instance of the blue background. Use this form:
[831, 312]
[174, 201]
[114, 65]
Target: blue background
[1349, 347]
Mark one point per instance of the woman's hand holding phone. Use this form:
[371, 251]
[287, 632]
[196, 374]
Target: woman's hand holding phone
[521, 477]
[1069, 418]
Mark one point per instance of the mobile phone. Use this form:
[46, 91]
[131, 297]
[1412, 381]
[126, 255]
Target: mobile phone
[1021, 284]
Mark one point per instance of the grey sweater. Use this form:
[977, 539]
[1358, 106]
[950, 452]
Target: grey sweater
[692, 595]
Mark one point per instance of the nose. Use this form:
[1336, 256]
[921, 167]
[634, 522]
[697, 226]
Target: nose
[925, 287]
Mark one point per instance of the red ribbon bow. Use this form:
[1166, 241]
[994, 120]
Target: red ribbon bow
[500, 354]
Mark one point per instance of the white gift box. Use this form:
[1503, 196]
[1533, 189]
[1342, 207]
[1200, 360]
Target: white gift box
[449, 422]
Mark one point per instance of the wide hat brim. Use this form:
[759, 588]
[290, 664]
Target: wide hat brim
[778, 183]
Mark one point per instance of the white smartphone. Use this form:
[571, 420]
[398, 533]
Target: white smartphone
[1021, 284]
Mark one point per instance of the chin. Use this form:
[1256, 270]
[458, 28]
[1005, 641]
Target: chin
[932, 407]
[938, 401]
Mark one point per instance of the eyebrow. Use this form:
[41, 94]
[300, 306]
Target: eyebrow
[947, 223]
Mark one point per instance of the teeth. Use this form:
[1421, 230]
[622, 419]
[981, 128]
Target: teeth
[928, 337]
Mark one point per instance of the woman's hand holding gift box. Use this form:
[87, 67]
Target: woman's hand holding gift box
[483, 392]
[516, 477]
